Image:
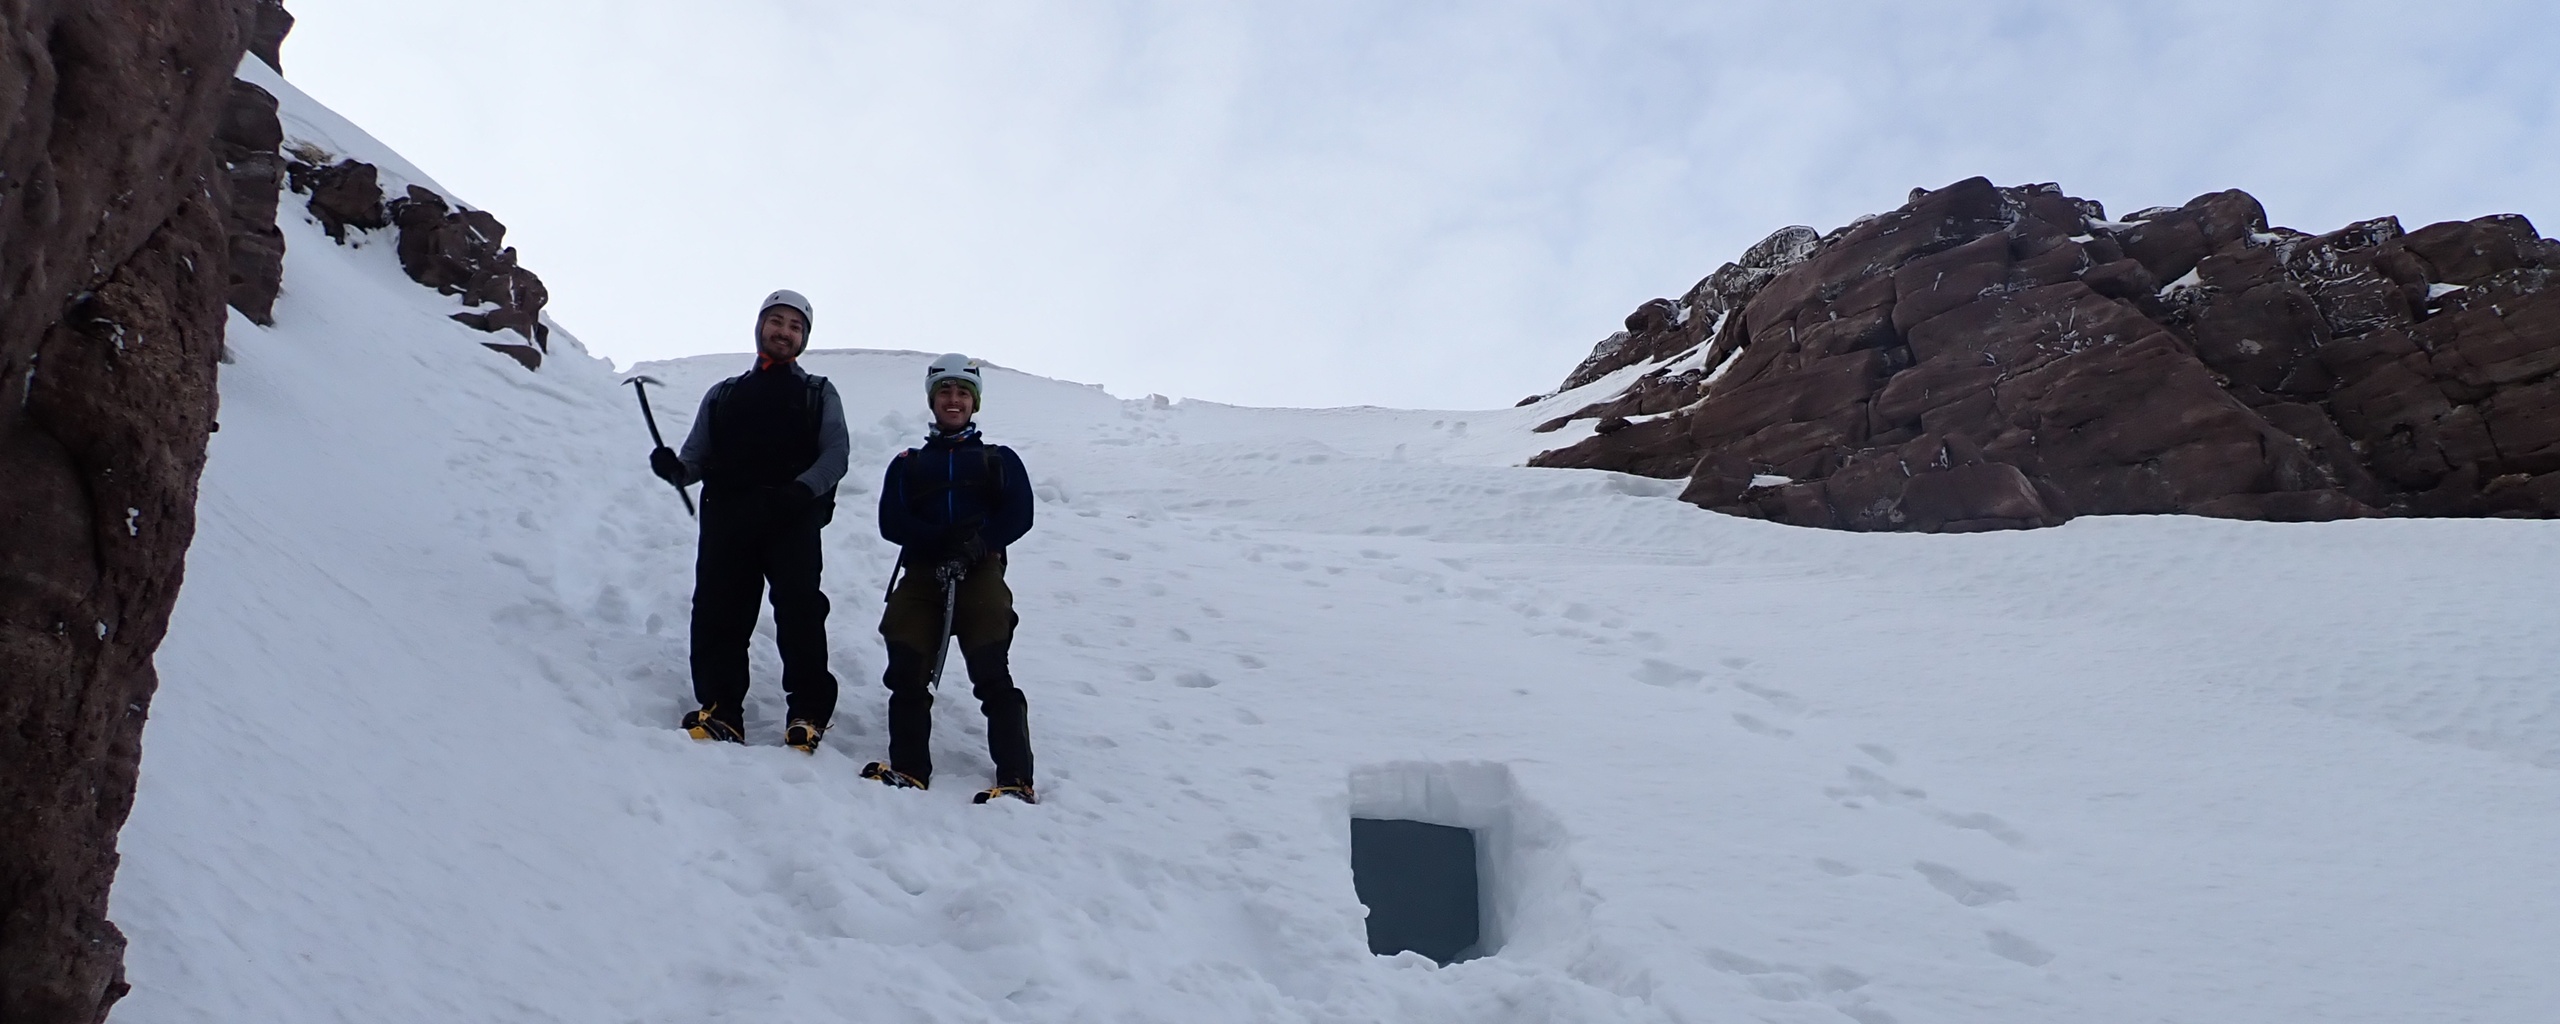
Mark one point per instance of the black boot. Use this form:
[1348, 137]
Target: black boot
[1008, 714]
[910, 714]
[893, 778]
[709, 722]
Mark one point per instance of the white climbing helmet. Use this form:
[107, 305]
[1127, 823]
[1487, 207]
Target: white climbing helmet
[787, 297]
[954, 366]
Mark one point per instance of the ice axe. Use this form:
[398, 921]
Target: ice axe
[950, 574]
[640, 386]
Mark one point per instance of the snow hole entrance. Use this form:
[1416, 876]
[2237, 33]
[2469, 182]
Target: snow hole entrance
[1453, 863]
[1419, 882]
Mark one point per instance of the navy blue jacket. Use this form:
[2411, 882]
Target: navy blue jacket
[966, 482]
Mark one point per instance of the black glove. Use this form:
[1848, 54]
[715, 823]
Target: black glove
[664, 462]
[790, 499]
[961, 543]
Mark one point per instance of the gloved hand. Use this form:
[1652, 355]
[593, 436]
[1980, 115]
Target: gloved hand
[790, 499]
[961, 543]
[664, 462]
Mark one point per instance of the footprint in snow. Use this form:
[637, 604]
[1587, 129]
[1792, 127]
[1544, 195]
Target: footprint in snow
[1657, 672]
[2012, 946]
[1972, 892]
[1863, 782]
[1195, 680]
[1758, 726]
[1984, 823]
[1777, 698]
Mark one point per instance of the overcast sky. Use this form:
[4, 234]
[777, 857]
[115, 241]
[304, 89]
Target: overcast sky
[1419, 204]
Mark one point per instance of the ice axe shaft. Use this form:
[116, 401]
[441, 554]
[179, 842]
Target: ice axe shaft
[639, 386]
[950, 603]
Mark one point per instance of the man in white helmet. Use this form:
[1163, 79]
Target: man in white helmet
[768, 446]
[951, 507]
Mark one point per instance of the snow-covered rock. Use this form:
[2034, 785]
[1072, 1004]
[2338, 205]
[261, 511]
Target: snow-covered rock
[1988, 358]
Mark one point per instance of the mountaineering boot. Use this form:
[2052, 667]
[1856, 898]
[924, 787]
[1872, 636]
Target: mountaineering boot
[803, 735]
[1018, 791]
[707, 723]
[891, 777]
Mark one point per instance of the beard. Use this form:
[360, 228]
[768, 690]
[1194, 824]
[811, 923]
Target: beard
[780, 346]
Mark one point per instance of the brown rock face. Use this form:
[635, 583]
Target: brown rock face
[344, 195]
[253, 170]
[267, 31]
[457, 252]
[113, 276]
[1989, 358]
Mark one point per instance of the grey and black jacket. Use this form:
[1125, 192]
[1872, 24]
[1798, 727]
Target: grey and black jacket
[766, 428]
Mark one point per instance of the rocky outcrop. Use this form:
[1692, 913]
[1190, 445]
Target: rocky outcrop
[1990, 358]
[346, 194]
[248, 146]
[458, 252]
[269, 25]
[113, 276]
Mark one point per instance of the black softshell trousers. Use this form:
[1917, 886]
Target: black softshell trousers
[747, 543]
[982, 621]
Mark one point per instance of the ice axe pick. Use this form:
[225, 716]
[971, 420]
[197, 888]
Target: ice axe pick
[640, 386]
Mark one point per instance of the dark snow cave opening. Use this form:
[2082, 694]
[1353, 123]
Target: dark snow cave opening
[1419, 882]
[1452, 862]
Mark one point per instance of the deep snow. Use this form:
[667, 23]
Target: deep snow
[413, 757]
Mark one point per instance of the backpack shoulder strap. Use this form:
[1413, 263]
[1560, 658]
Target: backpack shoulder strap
[714, 400]
[817, 404]
[991, 468]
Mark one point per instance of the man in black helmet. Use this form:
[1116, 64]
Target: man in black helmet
[768, 446]
[951, 507]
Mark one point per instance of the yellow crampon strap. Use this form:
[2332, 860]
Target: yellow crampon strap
[883, 773]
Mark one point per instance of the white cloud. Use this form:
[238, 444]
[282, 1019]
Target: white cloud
[1333, 202]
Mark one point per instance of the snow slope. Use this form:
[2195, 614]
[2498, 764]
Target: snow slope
[413, 757]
